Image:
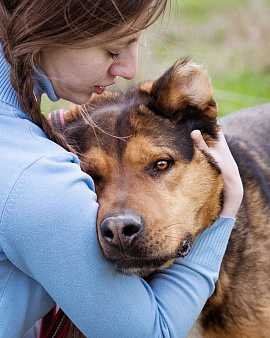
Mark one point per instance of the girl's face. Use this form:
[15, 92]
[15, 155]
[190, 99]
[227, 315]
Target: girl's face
[77, 73]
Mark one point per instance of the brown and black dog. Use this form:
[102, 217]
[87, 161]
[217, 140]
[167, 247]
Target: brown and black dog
[157, 192]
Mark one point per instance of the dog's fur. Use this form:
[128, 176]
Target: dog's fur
[157, 192]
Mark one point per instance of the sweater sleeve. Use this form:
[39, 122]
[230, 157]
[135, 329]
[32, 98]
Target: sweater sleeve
[48, 232]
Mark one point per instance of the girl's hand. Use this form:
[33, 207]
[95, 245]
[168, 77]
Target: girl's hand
[233, 188]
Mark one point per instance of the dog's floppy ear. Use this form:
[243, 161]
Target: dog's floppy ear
[186, 83]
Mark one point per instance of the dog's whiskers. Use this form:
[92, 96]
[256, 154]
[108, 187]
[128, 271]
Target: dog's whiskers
[172, 238]
[170, 225]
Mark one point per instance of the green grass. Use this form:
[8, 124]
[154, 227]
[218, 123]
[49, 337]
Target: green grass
[47, 106]
[198, 11]
[237, 91]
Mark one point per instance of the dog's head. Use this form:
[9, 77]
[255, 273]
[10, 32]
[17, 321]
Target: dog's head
[156, 191]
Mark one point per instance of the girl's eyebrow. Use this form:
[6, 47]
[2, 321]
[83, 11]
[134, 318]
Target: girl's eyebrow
[128, 42]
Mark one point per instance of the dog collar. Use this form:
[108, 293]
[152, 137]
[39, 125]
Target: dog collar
[57, 121]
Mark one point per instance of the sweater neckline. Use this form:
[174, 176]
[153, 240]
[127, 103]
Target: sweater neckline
[43, 85]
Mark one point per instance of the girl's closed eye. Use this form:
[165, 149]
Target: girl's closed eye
[114, 56]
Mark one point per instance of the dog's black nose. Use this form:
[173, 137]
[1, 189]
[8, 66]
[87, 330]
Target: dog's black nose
[120, 229]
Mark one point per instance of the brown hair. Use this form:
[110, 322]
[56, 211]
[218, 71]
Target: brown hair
[28, 26]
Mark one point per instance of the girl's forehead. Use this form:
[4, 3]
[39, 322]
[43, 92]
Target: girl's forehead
[126, 40]
[110, 39]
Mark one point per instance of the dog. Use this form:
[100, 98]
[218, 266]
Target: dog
[157, 191]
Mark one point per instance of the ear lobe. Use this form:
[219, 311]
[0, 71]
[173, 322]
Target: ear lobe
[186, 83]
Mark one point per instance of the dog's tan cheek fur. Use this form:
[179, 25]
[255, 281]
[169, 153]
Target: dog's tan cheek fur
[153, 197]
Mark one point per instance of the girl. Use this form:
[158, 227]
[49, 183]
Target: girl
[49, 251]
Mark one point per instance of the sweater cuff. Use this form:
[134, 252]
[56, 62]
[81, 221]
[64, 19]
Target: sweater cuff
[209, 246]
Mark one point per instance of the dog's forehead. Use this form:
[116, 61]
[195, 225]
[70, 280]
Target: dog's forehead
[121, 115]
[131, 112]
[116, 123]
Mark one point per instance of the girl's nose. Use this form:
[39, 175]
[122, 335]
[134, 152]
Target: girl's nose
[126, 66]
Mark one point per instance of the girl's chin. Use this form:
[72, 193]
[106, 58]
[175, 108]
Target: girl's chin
[79, 99]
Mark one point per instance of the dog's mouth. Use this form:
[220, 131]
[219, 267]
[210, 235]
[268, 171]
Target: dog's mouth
[141, 267]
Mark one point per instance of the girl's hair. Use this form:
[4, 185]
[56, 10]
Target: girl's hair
[28, 26]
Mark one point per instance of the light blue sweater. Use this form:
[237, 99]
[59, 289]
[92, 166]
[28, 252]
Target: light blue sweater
[49, 250]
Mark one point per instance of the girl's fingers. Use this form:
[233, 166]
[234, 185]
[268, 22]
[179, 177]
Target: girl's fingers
[219, 150]
[198, 140]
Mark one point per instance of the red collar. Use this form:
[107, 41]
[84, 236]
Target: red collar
[57, 121]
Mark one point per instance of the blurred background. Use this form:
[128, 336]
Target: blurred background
[230, 37]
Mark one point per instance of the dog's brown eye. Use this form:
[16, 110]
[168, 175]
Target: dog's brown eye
[161, 165]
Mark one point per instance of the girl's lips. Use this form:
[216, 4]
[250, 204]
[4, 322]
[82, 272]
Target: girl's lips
[99, 89]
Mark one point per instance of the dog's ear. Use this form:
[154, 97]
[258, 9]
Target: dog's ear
[186, 83]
